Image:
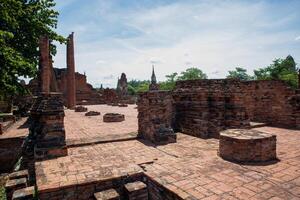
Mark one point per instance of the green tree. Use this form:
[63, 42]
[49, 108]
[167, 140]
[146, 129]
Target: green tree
[192, 73]
[169, 84]
[280, 69]
[135, 86]
[131, 90]
[239, 73]
[143, 87]
[22, 22]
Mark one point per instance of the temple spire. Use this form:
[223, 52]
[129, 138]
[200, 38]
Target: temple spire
[153, 77]
[153, 85]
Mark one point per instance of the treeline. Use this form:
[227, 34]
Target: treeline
[280, 69]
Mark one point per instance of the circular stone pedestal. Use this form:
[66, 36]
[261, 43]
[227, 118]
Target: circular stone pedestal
[243, 145]
[113, 117]
[80, 109]
[92, 113]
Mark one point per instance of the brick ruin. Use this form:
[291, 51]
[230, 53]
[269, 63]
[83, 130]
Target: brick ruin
[122, 95]
[122, 87]
[203, 108]
[47, 134]
[73, 85]
[71, 92]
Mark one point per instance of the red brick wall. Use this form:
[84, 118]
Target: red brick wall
[269, 102]
[205, 107]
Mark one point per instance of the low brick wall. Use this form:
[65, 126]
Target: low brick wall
[10, 152]
[156, 191]
[86, 190]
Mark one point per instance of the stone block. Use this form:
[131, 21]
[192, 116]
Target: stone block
[24, 194]
[136, 191]
[113, 117]
[92, 113]
[123, 105]
[110, 194]
[80, 109]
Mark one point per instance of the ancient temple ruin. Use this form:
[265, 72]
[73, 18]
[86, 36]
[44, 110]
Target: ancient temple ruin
[122, 88]
[203, 108]
[196, 141]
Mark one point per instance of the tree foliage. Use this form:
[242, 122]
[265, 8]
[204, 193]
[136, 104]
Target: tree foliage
[239, 73]
[135, 86]
[280, 69]
[192, 73]
[169, 84]
[22, 22]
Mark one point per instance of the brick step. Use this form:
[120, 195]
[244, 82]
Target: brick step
[19, 174]
[24, 194]
[14, 184]
[136, 191]
[110, 194]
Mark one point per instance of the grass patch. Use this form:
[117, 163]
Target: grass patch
[2, 190]
[2, 193]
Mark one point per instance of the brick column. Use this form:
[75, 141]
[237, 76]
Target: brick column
[71, 91]
[156, 117]
[44, 64]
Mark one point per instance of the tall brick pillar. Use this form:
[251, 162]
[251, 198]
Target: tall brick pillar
[71, 91]
[45, 73]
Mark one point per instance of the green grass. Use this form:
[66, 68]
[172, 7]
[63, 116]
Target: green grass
[2, 193]
[2, 190]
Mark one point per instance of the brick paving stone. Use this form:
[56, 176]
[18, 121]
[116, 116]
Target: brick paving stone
[81, 129]
[190, 168]
[18, 129]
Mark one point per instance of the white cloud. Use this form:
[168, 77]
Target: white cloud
[215, 36]
[297, 38]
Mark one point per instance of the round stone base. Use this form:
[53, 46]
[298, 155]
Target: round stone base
[113, 117]
[244, 145]
[92, 113]
[80, 109]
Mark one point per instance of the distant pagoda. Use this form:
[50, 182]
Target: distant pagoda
[153, 85]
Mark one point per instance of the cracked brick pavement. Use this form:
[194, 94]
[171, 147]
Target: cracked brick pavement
[191, 168]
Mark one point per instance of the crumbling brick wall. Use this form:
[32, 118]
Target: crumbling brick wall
[268, 101]
[205, 107]
[156, 109]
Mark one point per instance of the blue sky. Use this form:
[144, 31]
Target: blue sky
[115, 36]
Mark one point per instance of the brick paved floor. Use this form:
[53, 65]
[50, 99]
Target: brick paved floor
[190, 168]
[82, 129]
[18, 129]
